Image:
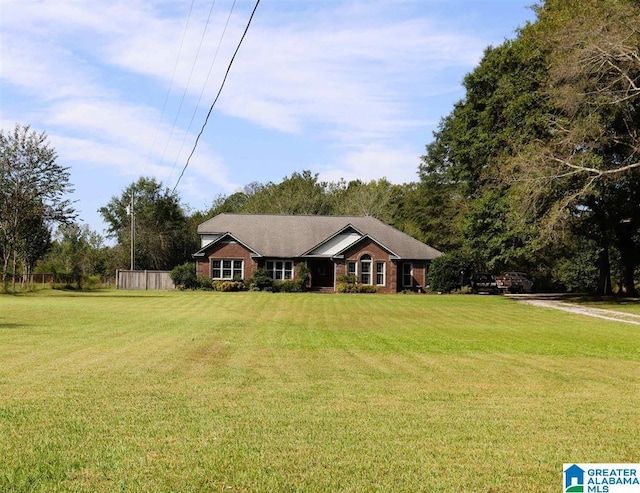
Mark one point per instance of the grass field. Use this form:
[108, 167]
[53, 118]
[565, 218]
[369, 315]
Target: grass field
[611, 303]
[205, 391]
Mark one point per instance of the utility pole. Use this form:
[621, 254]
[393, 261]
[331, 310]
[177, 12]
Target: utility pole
[133, 232]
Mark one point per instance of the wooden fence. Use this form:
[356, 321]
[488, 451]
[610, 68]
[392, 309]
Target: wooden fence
[144, 279]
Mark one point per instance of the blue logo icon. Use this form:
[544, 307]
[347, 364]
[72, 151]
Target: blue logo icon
[574, 479]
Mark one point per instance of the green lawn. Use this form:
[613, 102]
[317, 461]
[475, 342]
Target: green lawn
[205, 391]
[612, 303]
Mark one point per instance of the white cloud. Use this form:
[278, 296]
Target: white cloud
[354, 76]
[342, 68]
[350, 77]
[373, 162]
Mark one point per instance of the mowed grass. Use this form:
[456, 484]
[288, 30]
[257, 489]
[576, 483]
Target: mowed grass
[197, 391]
[628, 305]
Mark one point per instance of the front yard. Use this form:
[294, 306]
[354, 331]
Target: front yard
[206, 391]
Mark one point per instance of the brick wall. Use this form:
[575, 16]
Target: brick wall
[393, 269]
[234, 251]
[377, 254]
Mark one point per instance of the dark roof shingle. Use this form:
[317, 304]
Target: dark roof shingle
[290, 236]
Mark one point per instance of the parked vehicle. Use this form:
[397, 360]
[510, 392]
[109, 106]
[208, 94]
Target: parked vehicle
[514, 282]
[484, 283]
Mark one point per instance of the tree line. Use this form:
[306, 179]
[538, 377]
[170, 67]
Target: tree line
[536, 168]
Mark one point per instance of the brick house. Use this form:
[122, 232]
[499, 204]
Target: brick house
[233, 246]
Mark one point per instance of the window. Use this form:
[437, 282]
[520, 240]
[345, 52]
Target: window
[226, 269]
[352, 268]
[280, 269]
[407, 275]
[380, 271]
[365, 269]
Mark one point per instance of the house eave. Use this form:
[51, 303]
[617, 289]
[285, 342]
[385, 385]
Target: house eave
[369, 237]
[329, 238]
[201, 253]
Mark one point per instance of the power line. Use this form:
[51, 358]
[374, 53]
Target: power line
[217, 95]
[173, 74]
[195, 109]
[186, 87]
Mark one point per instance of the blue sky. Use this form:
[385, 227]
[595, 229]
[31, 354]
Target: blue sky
[345, 88]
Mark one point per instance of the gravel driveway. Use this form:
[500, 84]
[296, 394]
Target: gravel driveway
[549, 302]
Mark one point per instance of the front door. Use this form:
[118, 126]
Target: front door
[321, 272]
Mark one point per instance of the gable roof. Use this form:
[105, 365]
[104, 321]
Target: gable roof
[370, 238]
[289, 236]
[220, 239]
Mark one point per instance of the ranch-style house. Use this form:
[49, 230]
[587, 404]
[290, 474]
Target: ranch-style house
[233, 246]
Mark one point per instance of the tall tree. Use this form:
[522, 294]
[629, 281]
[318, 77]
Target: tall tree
[432, 211]
[588, 172]
[33, 187]
[376, 198]
[163, 238]
[300, 193]
[545, 145]
[465, 192]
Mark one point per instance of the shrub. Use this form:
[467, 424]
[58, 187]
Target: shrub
[260, 280]
[463, 290]
[92, 282]
[344, 287]
[366, 288]
[348, 284]
[303, 275]
[448, 272]
[345, 279]
[205, 283]
[228, 286]
[184, 276]
[287, 286]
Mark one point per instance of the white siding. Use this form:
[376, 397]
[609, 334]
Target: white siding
[336, 244]
[206, 239]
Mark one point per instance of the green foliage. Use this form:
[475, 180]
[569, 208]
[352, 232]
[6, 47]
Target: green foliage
[578, 272]
[303, 193]
[449, 272]
[184, 276]
[502, 109]
[377, 198]
[543, 147]
[464, 174]
[77, 254]
[303, 276]
[586, 176]
[164, 237]
[229, 286]
[92, 282]
[346, 279]
[261, 280]
[355, 288]
[350, 284]
[495, 236]
[204, 283]
[287, 286]
[32, 190]
[433, 212]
